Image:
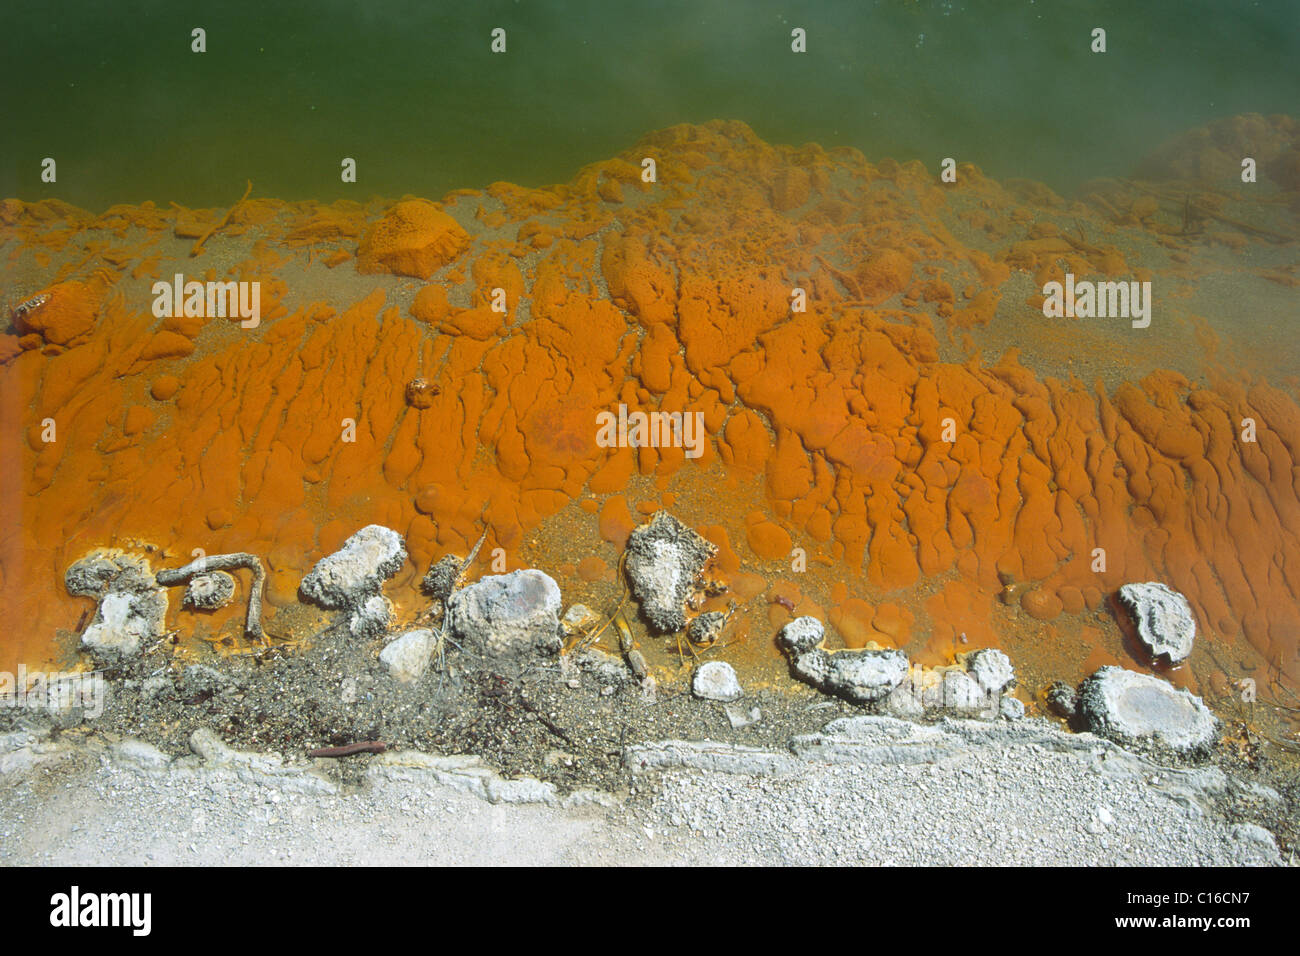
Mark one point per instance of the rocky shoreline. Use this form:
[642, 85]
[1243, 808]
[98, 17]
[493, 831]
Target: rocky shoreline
[514, 621]
[494, 692]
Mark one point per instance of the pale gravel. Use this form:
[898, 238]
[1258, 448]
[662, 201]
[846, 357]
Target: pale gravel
[989, 805]
[985, 807]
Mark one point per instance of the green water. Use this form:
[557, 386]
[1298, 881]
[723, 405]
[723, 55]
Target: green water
[412, 91]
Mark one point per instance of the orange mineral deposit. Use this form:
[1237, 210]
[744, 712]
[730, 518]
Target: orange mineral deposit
[897, 447]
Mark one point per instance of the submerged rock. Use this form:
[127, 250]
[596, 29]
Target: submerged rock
[415, 238]
[440, 580]
[356, 572]
[578, 618]
[716, 680]
[707, 628]
[508, 614]
[1163, 618]
[664, 560]
[132, 607]
[1139, 710]
[207, 592]
[863, 676]
[408, 655]
[107, 569]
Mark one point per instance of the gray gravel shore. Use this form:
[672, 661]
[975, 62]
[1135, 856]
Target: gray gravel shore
[865, 791]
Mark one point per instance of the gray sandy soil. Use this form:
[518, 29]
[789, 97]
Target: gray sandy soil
[957, 793]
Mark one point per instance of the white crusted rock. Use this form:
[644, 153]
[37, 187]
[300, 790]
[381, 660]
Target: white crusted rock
[346, 578]
[716, 680]
[125, 621]
[132, 607]
[508, 615]
[408, 655]
[863, 675]
[1139, 710]
[1163, 618]
[991, 669]
[664, 560]
[207, 592]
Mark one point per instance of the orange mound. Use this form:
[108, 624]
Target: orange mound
[414, 239]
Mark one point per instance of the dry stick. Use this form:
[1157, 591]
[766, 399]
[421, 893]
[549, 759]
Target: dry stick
[347, 750]
[846, 280]
[1101, 200]
[1211, 214]
[439, 645]
[592, 638]
[541, 716]
[198, 245]
[473, 553]
[225, 562]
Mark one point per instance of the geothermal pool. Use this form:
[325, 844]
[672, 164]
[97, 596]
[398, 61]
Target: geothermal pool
[938, 389]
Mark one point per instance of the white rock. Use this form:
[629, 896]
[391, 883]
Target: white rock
[991, 668]
[346, 578]
[664, 560]
[348, 690]
[508, 614]
[903, 701]
[1163, 618]
[124, 622]
[407, 657]
[859, 675]
[1253, 833]
[138, 755]
[739, 718]
[716, 680]
[962, 694]
[371, 617]
[1011, 708]
[802, 634]
[1137, 709]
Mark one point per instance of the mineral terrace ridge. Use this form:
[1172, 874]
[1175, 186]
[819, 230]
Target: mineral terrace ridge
[381, 514]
